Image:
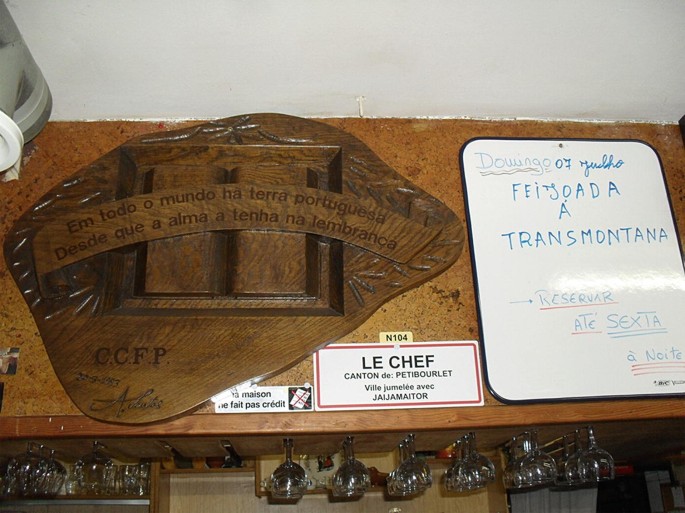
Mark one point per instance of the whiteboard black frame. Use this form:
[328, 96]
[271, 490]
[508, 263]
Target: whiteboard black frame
[482, 342]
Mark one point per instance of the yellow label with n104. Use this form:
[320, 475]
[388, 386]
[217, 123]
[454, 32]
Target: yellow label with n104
[396, 336]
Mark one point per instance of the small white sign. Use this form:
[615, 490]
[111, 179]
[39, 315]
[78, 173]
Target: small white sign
[395, 337]
[264, 399]
[386, 376]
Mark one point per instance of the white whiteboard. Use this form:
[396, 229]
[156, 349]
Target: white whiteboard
[578, 269]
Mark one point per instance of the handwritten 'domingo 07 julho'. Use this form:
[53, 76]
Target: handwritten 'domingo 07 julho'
[489, 164]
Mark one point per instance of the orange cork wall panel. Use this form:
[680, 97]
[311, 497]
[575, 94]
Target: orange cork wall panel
[426, 152]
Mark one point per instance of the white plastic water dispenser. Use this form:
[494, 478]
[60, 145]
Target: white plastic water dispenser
[25, 99]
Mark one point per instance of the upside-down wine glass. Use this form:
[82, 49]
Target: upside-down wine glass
[509, 475]
[534, 469]
[561, 462]
[595, 464]
[352, 478]
[412, 476]
[571, 468]
[479, 471]
[390, 480]
[27, 469]
[537, 468]
[53, 476]
[95, 472]
[289, 480]
[472, 470]
[452, 476]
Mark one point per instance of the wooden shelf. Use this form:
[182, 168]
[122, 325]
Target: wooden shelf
[492, 416]
[233, 470]
[663, 419]
[76, 500]
[323, 491]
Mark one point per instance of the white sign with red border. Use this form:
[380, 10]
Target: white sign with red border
[388, 376]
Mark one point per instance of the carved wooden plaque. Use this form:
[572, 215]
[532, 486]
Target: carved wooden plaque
[186, 262]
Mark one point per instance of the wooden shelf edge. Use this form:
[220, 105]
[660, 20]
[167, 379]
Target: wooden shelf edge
[325, 492]
[233, 470]
[65, 500]
[376, 421]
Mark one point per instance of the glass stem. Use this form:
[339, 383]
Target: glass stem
[288, 445]
[349, 449]
[526, 443]
[591, 442]
[459, 449]
[534, 440]
[576, 441]
[471, 438]
[409, 446]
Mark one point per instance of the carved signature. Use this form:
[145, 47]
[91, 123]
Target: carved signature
[124, 403]
[99, 380]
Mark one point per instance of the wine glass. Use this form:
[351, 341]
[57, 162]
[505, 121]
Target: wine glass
[72, 486]
[561, 462]
[128, 479]
[533, 469]
[390, 480]
[510, 475]
[472, 470]
[478, 470]
[289, 480]
[54, 475]
[536, 468]
[95, 472]
[24, 473]
[594, 463]
[143, 478]
[352, 478]
[452, 476]
[4, 478]
[571, 468]
[412, 476]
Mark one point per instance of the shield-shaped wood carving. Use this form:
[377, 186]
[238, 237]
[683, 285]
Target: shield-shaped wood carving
[187, 262]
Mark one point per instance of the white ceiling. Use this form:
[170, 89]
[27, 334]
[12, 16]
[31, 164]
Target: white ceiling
[544, 59]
